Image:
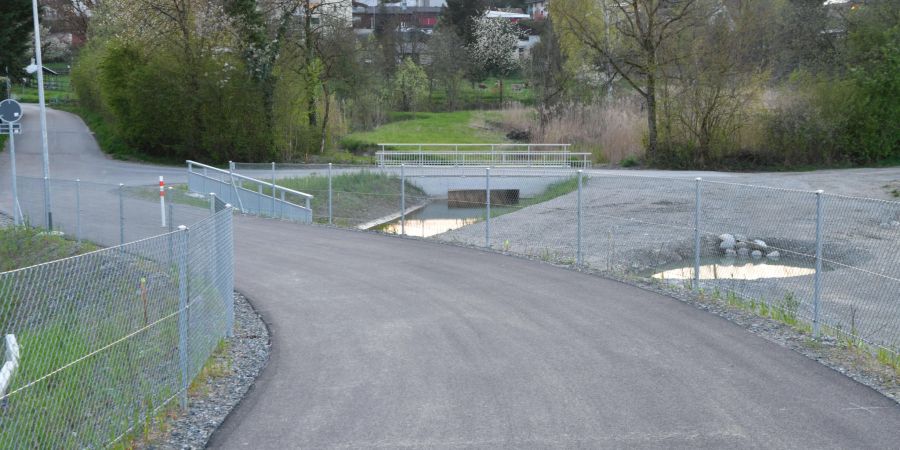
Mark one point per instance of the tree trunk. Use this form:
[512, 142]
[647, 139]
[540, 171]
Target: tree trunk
[324, 119]
[501, 92]
[309, 57]
[652, 144]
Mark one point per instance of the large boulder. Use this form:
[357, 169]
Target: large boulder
[756, 254]
[773, 255]
[727, 243]
[743, 252]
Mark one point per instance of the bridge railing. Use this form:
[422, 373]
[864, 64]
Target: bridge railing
[250, 195]
[509, 155]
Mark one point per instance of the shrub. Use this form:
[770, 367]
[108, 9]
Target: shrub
[357, 146]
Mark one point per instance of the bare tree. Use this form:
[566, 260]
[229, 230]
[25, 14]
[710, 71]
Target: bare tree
[631, 36]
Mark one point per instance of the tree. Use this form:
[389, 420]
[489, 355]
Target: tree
[873, 56]
[73, 16]
[548, 75]
[494, 48]
[632, 36]
[261, 45]
[709, 88]
[410, 85]
[15, 36]
[805, 38]
[340, 71]
[460, 15]
[447, 63]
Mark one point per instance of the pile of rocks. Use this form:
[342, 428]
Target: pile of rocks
[736, 245]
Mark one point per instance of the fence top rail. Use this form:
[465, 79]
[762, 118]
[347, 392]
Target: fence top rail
[473, 145]
[191, 164]
[227, 210]
[478, 152]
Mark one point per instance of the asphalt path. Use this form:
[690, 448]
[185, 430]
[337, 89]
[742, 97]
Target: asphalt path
[380, 341]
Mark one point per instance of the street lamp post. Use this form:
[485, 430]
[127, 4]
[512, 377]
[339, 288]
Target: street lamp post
[43, 113]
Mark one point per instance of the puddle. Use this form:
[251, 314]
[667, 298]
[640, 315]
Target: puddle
[736, 269]
[435, 218]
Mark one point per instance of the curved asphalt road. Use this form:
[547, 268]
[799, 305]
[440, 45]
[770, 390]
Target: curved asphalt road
[388, 342]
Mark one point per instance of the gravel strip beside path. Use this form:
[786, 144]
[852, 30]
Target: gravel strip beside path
[248, 353]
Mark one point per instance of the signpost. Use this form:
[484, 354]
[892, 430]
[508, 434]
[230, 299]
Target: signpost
[10, 114]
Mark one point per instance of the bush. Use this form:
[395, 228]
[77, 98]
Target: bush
[357, 146]
[629, 161]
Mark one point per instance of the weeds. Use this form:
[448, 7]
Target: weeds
[24, 246]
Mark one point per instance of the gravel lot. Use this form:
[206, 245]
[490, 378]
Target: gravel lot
[635, 225]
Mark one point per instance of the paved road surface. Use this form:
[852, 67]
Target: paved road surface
[387, 342]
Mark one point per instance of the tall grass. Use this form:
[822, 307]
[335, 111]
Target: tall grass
[611, 131]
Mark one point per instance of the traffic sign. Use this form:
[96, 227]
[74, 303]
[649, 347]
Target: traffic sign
[16, 128]
[10, 111]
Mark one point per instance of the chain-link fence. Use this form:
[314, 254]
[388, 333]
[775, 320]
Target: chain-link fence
[107, 338]
[824, 262]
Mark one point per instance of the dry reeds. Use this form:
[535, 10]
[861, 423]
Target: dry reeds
[612, 131]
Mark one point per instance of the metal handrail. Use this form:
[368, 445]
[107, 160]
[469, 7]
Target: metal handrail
[475, 145]
[244, 177]
[469, 158]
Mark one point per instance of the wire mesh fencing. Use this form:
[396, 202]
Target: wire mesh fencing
[105, 214]
[822, 262]
[109, 337]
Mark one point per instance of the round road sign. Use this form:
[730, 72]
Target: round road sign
[10, 111]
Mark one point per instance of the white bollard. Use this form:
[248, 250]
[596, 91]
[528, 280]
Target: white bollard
[162, 202]
[10, 364]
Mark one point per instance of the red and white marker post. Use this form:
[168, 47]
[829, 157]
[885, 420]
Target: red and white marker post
[162, 200]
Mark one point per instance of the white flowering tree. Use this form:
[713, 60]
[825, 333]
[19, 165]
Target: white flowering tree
[494, 47]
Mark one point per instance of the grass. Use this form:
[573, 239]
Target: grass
[57, 89]
[217, 366]
[94, 364]
[873, 359]
[458, 127]
[24, 246]
[557, 189]
[177, 193]
[475, 96]
[357, 197]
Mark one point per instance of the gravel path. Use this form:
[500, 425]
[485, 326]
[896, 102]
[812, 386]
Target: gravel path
[247, 354]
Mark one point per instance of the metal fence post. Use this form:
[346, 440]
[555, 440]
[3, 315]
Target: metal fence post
[487, 203]
[121, 214]
[578, 256]
[699, 182]
[273, 189]
[817, 281]
[402, 200]
[78, 210]
[259, 196]
[330, 193]
[219, 264]
[171, 219]
[183, 316]
[212, 203]
[17, 212]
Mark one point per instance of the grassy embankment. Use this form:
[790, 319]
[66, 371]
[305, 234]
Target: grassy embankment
[23, 247]
[358, 197]
[458, 127]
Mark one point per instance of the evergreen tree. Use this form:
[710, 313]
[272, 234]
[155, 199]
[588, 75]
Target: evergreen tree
[460, 15]
[15, 36]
